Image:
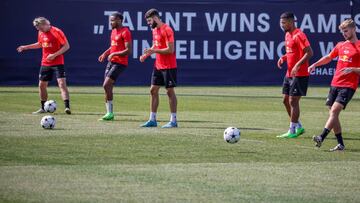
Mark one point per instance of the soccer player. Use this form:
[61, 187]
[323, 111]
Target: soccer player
[117, 56]
[54, 44]
[298, 53]
[165, 71]
[344, 83]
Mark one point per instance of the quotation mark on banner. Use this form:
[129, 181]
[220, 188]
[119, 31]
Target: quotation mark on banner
[98, 29]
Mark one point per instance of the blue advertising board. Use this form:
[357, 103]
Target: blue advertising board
[217, 42]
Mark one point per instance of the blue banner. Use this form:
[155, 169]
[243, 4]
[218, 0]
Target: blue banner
[217, 42]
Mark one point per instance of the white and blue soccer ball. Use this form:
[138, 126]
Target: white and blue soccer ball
[48, 122]
[50, 106]
[231, 135]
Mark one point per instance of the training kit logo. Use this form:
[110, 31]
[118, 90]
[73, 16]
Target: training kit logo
[345, 58]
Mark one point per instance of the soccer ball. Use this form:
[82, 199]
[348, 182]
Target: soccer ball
[50, 106]
[48, 122]
[231, 135]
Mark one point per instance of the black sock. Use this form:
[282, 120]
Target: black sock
[339, 139]
[42, 104]
[324, 133]
[67, 103]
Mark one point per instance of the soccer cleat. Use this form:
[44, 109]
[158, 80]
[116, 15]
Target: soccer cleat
[318, 141]
[170, 125]
[286, 135]
[300, 131]
[107, 117]
[338, 147]
[39, 111]
[297, 133]
[149, 124]
[67, 111]
[283, 135]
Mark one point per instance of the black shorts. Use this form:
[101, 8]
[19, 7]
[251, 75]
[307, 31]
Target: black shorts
[47, 72]
[113, 70]
[295, 86]
[167, 77]
[341, 95]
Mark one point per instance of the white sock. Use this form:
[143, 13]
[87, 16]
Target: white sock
[299, 125]
[173, 118]
[292, 127]
[152, 116]
[109, 106]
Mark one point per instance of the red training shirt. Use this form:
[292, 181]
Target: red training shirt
[119, 37]
[161, 36]
[349, 56]
[295, 43]
[51, 42]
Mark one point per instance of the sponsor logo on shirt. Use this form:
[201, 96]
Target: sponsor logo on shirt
[46, 43]
[114, 43]
[345, 58]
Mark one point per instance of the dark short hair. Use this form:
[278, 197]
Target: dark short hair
[288, 15]
[151, 13]
[118, 15]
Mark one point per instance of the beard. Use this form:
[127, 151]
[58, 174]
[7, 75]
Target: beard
[114, 26]
[153, 25]
[284, 30]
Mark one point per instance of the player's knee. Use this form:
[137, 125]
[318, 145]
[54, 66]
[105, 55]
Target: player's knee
[106, 85]
[154, 91]
[285, 101]
[170, 92]
[334, 112]
[294, 102]
[42, 84]
[61, 84]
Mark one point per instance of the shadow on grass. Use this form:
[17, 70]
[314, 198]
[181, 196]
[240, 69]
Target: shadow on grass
[345, 138]
[222, 128]
[101, 114]
[196, 121]
[56, 129]
[351, 138]
[352, 150]
[117, 119]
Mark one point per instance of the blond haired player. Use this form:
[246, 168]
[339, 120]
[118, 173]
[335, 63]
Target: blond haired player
[344, 83]
[54, 44]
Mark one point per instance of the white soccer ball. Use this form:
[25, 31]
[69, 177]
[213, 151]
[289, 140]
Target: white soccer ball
[50, 106]
[48, 122]
[231, 135]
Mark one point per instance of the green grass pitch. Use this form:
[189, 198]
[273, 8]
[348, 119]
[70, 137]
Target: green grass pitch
[85, 160]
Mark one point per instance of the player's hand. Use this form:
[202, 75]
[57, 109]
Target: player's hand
[110, 57]
[279, 63]
[101, 58]
[311, 68]
[50, 57]
[142, 58]
[21, 49]
[347, 70]
[294, 71]
[149, 51]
